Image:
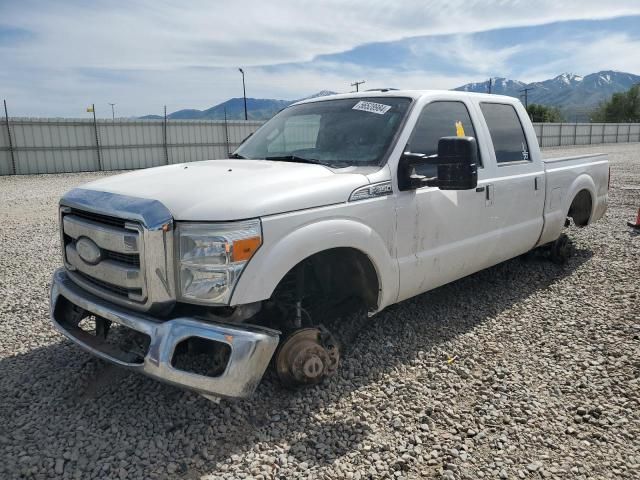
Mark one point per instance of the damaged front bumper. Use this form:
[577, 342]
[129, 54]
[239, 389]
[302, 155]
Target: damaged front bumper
[251, 347]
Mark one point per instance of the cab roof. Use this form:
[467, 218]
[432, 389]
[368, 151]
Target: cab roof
[414, 94]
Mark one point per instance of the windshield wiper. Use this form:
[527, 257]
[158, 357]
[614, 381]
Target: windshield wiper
[236, 155]
[295, 158]
[313, 161]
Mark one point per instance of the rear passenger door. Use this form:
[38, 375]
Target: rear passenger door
[517, 194]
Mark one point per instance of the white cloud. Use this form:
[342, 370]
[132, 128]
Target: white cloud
[467, 51]
[599, 51]
[144, 54]
[153, 34]
[338, 77]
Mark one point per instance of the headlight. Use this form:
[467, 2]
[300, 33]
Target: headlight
[212, 257]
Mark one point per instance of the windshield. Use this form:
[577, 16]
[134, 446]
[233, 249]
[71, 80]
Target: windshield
[337, 133]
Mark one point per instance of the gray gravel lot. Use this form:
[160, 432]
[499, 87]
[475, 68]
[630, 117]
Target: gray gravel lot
[525, 370]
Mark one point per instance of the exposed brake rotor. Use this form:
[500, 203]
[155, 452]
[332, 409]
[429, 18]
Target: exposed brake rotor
[306, 357]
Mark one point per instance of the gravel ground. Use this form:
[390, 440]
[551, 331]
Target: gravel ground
[525, 370]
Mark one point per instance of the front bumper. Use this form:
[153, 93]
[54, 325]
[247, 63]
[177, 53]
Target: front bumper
[251, 346]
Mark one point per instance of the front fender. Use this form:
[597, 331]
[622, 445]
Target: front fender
[273, 260]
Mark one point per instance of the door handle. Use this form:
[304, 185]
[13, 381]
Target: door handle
[489, 195]
[479, 189]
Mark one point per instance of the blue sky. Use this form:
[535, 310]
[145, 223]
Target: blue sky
[58, 57]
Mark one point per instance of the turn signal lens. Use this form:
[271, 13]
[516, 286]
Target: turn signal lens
[245, 248]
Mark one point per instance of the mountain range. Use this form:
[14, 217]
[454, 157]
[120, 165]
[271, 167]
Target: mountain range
[574, 95]
[257, 109]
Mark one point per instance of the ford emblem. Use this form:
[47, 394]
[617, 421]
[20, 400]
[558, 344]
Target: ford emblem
[88, 251]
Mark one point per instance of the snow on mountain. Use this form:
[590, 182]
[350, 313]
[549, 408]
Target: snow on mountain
[568, 78]
[572, 93]
[498, 85]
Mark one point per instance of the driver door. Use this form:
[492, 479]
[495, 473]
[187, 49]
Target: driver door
[443, 235]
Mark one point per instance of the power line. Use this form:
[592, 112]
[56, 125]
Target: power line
[526, 96]
[357, 84]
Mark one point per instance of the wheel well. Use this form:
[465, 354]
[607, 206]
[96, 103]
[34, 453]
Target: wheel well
[330, 283]
[580, 209]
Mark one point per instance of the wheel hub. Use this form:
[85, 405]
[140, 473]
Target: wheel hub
[306, 357]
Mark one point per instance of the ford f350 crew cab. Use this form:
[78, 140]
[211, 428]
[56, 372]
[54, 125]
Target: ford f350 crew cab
[348, 203]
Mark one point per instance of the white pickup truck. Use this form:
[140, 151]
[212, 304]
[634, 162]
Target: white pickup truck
[202, 274]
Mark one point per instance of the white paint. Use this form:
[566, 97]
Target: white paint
[416, 240]
[235, 189]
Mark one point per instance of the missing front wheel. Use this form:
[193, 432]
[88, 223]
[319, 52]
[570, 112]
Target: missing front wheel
[306, 357]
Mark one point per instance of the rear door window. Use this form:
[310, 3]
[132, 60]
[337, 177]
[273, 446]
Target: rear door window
[509, 141]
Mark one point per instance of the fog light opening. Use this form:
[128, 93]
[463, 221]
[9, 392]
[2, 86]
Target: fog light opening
[116, 341]
[201, 356]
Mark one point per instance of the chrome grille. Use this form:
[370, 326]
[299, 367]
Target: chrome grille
[98, 217]
[130, 255]
[129, 259]
[111, 288]
[118, 272]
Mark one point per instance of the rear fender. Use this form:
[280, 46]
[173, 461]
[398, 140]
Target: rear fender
[582, 182]
[558, 204]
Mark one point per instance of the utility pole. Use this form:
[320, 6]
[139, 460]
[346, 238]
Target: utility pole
[6, 119]
[244, 93]
[490, 85]
[357, 84]
[113, 111]
[164, 137]
[226, 132]
[526, 96]
[95, 127]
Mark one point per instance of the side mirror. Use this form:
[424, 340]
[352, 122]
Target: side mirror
[456, 163]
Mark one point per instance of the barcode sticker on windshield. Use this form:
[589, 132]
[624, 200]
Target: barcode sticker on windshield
[372, 107]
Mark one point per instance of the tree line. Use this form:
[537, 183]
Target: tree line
[623, 107]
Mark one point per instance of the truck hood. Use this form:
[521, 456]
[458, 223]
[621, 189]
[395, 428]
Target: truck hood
[218, 190]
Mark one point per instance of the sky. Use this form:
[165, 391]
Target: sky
[58, 57]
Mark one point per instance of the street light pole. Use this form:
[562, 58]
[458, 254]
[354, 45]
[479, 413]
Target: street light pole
[113, 111]
[244, 93]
